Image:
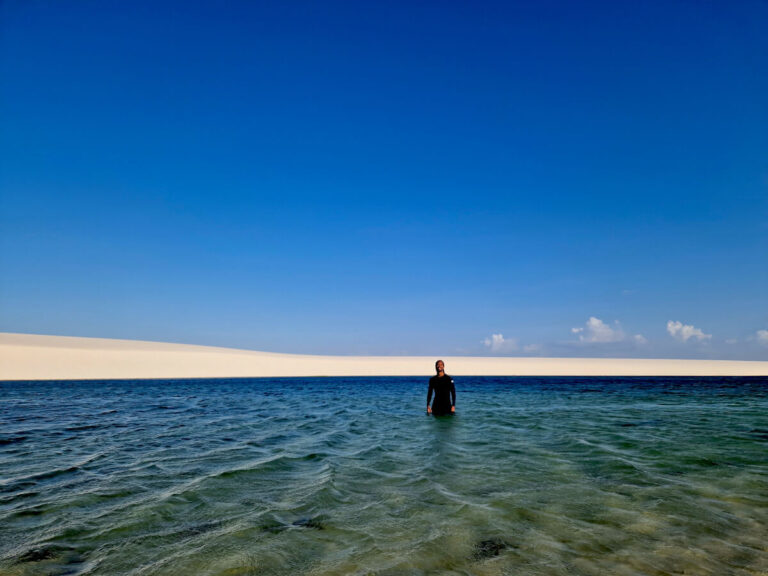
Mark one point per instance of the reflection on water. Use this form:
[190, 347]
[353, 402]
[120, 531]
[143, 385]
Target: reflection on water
[548, 476]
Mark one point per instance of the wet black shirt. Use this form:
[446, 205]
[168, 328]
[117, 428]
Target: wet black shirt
[445, 394]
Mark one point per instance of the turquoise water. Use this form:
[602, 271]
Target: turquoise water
[549, 476]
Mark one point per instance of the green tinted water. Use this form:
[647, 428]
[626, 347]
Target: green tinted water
[348, 476]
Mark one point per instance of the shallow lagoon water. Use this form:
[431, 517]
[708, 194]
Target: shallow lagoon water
[549, 476]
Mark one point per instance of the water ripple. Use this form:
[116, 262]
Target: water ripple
[348, 476]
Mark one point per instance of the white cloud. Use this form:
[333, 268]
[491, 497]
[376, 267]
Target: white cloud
[497, 343]
[684, 332]
[762, 337]
[531, 348]
[595, 330]
[640, 339]
[732, 341]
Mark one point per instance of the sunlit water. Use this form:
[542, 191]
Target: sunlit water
[548, 476]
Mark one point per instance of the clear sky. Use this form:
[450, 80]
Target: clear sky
[537, 178]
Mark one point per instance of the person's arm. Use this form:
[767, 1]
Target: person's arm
[429, 398]
[453, 397]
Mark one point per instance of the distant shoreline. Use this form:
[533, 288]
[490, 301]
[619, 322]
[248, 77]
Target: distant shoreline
[36, 357]
[521, 377]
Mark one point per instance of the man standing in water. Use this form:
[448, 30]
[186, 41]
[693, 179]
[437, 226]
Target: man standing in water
[445, 393]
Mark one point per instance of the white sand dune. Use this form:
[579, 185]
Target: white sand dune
[35, 357]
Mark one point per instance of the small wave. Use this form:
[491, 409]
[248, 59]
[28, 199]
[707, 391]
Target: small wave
[366, 452]
[197, 529]
[6, 440]
[275, 524]
[48, 474]
[33, 479]
[27, 512]
[760, 433]
[20, 496]
[183, 532]
[39, 554]
[67, 556]
[114, 494]
[84, 427]
[266, 464]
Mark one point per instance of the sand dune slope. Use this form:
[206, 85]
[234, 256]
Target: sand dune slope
[34, 357]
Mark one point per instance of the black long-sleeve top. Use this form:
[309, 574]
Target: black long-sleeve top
[445, 394]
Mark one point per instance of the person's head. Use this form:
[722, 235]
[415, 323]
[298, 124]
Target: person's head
[440, 367]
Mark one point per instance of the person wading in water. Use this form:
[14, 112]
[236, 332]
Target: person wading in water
[445, 392]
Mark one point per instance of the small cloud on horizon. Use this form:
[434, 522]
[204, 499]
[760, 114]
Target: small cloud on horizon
[684, 332]
[497, 343]
[762, 337]
[597, 331]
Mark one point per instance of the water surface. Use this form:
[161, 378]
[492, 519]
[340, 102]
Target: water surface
[550, 476]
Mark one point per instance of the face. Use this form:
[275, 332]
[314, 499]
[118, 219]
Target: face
[439, 366]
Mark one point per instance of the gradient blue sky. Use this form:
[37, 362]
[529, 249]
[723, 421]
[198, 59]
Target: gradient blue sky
[388, 178]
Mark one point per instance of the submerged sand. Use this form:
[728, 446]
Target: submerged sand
[36, 357]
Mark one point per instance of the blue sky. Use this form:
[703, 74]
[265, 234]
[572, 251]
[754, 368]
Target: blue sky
[543, 178]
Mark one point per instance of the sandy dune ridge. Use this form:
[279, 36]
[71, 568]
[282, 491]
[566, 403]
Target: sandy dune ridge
[36, 357]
